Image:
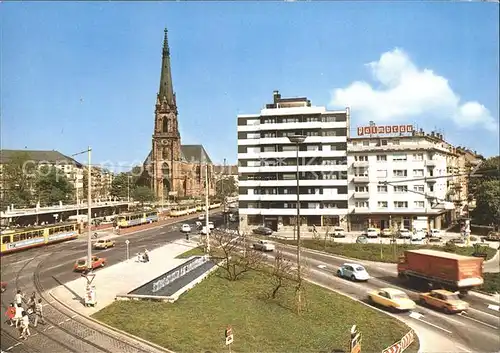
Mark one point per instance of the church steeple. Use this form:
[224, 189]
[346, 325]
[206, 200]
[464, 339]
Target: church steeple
[166, 91]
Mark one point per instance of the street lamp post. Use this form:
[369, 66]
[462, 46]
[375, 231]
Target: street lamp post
[207, 204]
[298, 140]
[128, 188]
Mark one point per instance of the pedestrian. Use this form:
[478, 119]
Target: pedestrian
[19, 297]
[18, 314]
[25, 325]
[10, 313]
[146, 255]
[39, 313]
[32, 303]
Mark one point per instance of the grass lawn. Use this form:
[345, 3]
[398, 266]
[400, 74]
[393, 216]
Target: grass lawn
[196, 322]
[377, 252]
[192, 252]
[491, 283]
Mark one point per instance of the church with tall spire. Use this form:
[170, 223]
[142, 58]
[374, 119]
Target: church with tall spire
[174, 170]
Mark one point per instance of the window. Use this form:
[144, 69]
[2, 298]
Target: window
[288, 148]
[361, 158]
[361, 189]
[313, 148]
[289, 176]
[329, 119]
[381, 173]
[383, 142]
[361, 204]
[312, 133]
[361, 172]
[269, 121]
[399, 158]
[313, 119]
[395, 142]
[401, 188]
[382, 204]
[400, 173]
[269, 149]
[329, 133]
[366, 143]
[418, 188]
[266, 134]
[400, 204]
[382, 188]
[418, 157]
[419, 204]
[418, 172]
[381, 158]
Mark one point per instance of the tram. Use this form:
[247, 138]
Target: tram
[17, 240]
[136, 218]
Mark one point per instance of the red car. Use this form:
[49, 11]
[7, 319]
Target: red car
[3, 286]
[81, 264]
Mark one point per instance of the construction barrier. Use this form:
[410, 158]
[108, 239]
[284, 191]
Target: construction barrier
[401, 346]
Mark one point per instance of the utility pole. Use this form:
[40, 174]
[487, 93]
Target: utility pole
[223, 193]
[128, 188]
[207, 204]
[77, 197]
[89, 210]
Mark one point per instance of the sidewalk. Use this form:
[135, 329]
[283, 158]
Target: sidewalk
[111, 281]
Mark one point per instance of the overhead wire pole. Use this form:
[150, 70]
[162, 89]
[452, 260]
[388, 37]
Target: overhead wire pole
[207, 204]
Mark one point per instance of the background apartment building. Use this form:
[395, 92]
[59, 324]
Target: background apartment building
[267, 165]
[400, 181]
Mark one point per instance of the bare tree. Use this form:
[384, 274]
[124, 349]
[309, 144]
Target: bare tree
[282, 273]
[327, 223]
[233, 257]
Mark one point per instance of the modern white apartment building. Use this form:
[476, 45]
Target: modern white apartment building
[393, 184]
[267, 165]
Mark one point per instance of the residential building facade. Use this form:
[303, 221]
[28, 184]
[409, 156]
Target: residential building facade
[267, 165]
[399, 181]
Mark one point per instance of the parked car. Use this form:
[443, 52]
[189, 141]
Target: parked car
[3, 286]
[211, 225]
[457, 240]
[362, 239]
[404, 234]
[201, 217]
[263, 245]
[391, 298]
[386, 233]
[444, 300]
[434, 233]
[337, 232]
[203, 230]
[371, 233]
[354, 272]
[81, 264]
[104, 244]
[418, 235]
[186, 228]
[493, 236]
[262, 231]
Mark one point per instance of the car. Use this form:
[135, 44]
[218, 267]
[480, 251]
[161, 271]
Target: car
[444, 300]
[492, 236]
[264, 245]
[262, 231]
[185, 228]
[361, 240]
[434, 233]
[338, 232]
[456, 240]
[203, 230]
[211, 225]
[201, 217]
[418, 235]
[353, 271]
[104, 244]
[404, 234]
[391, 298]
[371, 233]
[386, 232]
[81, 264]
[3, 286]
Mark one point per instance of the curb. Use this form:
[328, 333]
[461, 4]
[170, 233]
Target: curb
[111, 328]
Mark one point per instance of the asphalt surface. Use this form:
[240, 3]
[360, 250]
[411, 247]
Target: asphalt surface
[476, 331]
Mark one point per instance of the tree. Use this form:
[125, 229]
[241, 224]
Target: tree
[225, 186]
[18, 176]
[488, 170]
[226, 249]
[122, 185]
[487, 209]
[281, 274]
[143, 194]
[52, 186]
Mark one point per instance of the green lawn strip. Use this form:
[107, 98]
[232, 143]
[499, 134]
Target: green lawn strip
[377, 252]
[191, 252]
[491, 283]
[196, 322]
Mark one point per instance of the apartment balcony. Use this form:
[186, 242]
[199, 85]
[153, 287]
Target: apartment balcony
[361, 179]
[361, 195]
[293, 197]
[303, 182]
[430, 163]
[293, 211]
[358, 164]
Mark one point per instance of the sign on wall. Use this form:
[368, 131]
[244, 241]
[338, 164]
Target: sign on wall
[384, 129]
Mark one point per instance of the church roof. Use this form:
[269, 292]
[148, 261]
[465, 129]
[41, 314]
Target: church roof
[37, 156]
[190, 154]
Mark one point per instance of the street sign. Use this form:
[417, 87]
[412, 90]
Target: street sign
[128, 251]
[229, 336]
[355, 341]
[127, 241]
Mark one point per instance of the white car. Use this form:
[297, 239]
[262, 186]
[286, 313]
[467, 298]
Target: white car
[186, 228]
[338, 232]
[211, 225]
[264, 245]
[418, 235]
[435, 233]
[201, 217]
[354, 272]
[371, 233]
[203, 230]
[404, 234]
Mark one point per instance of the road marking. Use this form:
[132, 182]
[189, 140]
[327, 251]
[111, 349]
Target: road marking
[48, 328]
[18, 262]
[431, 324]
[59, 324]
[415, 315]
[52, 301]
[478, 321]
[74, 316]
[494, 307]
[321, 266]
[463, 348]
[67, 319]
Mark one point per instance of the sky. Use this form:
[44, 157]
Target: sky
[84, 74]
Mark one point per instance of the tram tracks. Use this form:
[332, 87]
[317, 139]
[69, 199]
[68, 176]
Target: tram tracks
[64, 330]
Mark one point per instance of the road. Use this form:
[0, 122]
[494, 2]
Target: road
[18, 270]
[475, 332]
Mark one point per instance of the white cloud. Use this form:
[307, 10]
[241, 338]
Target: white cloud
[406, 93]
